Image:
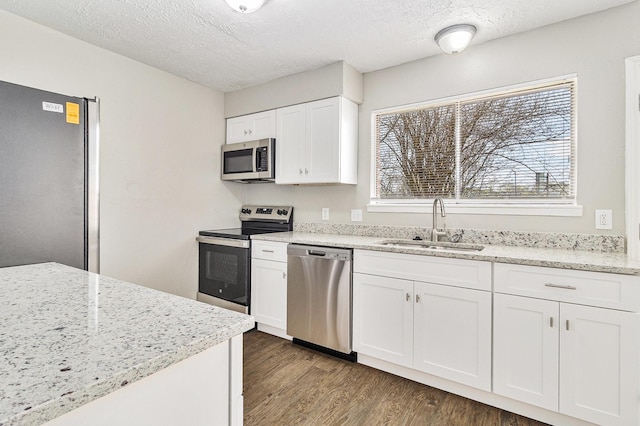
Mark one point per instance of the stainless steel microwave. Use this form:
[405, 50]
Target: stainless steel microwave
[249, 161]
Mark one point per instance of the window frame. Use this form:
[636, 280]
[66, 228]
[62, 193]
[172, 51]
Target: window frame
[528, 207]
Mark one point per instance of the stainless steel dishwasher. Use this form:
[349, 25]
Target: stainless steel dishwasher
[319, 298]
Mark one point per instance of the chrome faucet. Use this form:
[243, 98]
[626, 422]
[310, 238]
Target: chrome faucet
[435, 232]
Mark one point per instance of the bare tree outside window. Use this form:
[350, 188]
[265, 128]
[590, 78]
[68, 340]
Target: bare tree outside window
[519, 145]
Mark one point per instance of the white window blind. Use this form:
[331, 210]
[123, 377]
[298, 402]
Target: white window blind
[510, 144]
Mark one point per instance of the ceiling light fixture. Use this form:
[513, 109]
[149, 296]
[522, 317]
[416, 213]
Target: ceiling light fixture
[456, 38]
[245, 6]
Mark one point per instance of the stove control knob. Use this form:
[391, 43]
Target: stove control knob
[246, 211]
[285, 212]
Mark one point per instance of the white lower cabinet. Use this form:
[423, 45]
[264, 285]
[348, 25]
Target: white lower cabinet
[582, 361]
[452, 333]
[599, 370]
[269, 285]
[269, 293]
[439, 329]
[525, 349]
[383, 318]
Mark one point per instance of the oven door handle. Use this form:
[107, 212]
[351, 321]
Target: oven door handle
[227, 242]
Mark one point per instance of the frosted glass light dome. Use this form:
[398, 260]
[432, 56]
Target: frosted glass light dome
[456, 38]
[245, 6]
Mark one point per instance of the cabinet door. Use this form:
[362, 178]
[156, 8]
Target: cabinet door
[599, 371]
[290, 145]
[264, 124]
[269, 292]
[452, 333]
[251, 127]
[239, 129]
[322, 159]
[383, 318]
[525, 349]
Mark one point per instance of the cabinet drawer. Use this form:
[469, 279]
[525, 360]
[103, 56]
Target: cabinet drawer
[606, 290]
[438, 270]
[269, 250]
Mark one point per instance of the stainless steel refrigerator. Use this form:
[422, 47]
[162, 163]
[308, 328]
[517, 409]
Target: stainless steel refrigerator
[49, 197]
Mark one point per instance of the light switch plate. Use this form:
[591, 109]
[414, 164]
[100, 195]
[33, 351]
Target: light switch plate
[325, 213]
[356, 215]
[604, 219]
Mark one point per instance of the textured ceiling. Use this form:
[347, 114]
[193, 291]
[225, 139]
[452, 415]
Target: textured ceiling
[207, 42]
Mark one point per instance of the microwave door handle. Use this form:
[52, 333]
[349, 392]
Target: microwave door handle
[254, 156]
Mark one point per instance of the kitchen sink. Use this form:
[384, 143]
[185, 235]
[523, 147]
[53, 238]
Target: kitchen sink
[432, 245]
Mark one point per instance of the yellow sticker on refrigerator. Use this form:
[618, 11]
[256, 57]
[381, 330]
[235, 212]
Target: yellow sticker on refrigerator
[73, 113]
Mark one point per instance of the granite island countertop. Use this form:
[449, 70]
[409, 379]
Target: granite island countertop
[584, 260]
[68, 337]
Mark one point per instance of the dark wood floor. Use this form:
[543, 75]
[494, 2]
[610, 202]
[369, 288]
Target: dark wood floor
[285, 384]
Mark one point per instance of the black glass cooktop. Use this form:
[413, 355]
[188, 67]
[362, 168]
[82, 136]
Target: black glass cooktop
[257, 220]
[237, 233]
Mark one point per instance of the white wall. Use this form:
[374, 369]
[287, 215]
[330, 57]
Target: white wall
[593, 46]
[337, 79]
[160, 138]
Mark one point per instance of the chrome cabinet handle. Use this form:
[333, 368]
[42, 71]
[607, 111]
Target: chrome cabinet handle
[245, 132]
[306, 172]
[267, 251]
[566, 287]
[408, 297]
[284, 275]
[417, 298]
[567, 325]
[551, 322]
[300, 171]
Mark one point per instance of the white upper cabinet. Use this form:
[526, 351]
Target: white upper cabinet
[251, 127]
[317, 142]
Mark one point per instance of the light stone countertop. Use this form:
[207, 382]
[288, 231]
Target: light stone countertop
[68, 337]
[582, 260]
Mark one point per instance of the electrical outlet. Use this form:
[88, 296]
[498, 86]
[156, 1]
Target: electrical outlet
[604, 219]
[325, 213]
[356, 215]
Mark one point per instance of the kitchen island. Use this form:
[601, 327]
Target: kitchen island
[78, 346]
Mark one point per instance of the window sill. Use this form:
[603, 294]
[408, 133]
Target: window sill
[484, 209]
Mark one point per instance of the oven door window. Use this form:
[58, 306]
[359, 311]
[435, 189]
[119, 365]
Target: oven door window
[224, 272]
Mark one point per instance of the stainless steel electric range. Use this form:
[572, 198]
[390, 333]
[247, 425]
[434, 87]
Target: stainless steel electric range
[225, 256]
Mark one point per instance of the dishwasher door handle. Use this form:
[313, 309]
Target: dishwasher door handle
[316, 253]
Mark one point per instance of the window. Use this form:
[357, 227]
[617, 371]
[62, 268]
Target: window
[515, 146]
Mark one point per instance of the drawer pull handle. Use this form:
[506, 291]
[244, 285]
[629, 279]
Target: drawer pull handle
[267, 251]
[566, 287]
